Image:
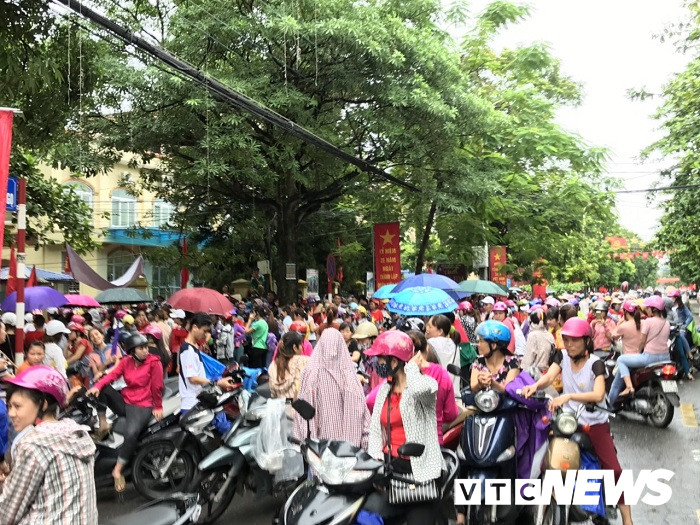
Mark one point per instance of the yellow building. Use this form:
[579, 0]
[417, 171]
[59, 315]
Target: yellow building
[115, 214]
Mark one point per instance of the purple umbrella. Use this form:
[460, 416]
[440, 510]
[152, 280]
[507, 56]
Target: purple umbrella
[35, 298]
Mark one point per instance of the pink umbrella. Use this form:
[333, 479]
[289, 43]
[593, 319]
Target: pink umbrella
[200, 300]
[81, 300]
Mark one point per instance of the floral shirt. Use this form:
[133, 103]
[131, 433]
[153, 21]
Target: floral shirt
[509, 363]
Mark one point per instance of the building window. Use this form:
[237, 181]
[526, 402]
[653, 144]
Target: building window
[83, 191]
[123, 209]
[118, 262]
[164, 282]
[162, 211]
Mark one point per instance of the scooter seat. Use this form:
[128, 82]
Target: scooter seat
[161, 514]
[170, 406]
[660, 363]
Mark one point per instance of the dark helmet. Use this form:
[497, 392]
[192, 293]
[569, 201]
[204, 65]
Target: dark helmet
[134, 341]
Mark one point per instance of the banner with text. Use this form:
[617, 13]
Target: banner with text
[387, 254]
[497, 257]
[6, 118]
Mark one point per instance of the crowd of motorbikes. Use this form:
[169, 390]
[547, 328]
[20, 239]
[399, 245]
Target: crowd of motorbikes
[192, 472]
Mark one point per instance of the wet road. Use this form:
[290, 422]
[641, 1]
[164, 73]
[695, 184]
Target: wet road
[639, 445]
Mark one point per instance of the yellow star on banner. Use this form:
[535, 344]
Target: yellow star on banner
[497, 257]
[387, 238]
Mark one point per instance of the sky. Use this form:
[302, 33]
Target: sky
[609, 47]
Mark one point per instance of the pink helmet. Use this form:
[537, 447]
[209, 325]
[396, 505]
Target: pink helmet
[500, 306]
[393, 343]
[674, 293]
[43, 378]
[629, 306]
[77, 319]
[655, 302]
[151, 329]
[120, 315]
[75, 327]
[576, 327]
[465, 305]
[510, 303]
[551, 301]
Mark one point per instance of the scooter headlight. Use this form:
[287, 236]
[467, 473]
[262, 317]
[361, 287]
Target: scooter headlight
[567, 424]
[334, 470]
[487, 400]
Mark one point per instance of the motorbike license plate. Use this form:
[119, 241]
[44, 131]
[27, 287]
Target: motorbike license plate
[669, 387]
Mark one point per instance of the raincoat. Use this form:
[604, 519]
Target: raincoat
[329, 383]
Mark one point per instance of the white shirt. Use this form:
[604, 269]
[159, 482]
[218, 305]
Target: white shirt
[190, 366]
[53, 356]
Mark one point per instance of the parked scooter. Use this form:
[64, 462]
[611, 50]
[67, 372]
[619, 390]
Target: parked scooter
[655, 390]
[167, 461]
[344, 478]
[232, 467]
[83, 410]
[178, 509]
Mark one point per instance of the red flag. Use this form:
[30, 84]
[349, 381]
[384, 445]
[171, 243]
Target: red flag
[340, 266]
[6, 118]
[12, 274]
[184, 273]
[32, 278]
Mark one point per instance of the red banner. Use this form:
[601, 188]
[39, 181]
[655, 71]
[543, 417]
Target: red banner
[617, 242]
[6, 118]
[387, 254]
[497, 257]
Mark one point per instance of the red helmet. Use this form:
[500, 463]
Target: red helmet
[576, 327]
[153, 330]
[393, 343]
[298, 326]
[43, 378]
[466, 306]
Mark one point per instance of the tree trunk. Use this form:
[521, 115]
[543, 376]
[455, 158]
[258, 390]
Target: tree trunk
[420, 259]
[286, 235]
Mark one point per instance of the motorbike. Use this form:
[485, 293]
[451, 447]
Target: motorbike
[564, 451]
[177, 509]
[232, 466]
[343, 481]
[83, 410]
[655, 390]
[167, 461]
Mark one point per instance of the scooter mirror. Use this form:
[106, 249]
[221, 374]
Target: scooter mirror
[304, 409]
[411, 450]
[454, 369]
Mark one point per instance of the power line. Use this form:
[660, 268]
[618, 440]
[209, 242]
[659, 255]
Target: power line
[228, 95]
[663, 188]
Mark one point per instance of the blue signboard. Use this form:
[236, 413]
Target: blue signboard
[11, 204]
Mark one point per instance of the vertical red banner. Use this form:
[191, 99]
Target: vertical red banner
[6, 118]
[497, 258]
[387, 254]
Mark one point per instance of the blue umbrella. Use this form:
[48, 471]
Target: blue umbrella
[421, 301]
[35, 298]
[433, 280]
[384, 292]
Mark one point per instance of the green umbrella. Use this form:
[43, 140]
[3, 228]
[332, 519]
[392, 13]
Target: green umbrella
[122, 296]
[482, 287]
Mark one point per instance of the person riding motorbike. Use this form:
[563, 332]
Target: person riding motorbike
[52, 479]
[405, 412]
[583, 375]
[285, 370]
[137, 402]
[630, 328]
[539, 343]
[652, 347]
[602, 327]
[684, 318]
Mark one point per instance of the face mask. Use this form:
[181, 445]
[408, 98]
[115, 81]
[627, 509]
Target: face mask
[382, 370]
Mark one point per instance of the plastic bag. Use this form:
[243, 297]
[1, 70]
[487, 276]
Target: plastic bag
[271, 440]
[590, 462]
[292, 466]
[212, 368]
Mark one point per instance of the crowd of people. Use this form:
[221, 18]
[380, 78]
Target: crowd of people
[376, 379]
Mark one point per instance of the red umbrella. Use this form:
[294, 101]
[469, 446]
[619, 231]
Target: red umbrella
[200, 300]
[81, 300]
